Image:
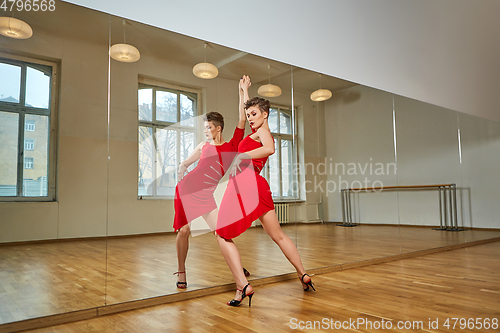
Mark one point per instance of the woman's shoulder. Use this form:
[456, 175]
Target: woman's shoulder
[202, 145]
[263, 131]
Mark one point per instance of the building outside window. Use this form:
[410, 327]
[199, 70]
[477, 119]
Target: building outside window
[28, 163]
[29, 144]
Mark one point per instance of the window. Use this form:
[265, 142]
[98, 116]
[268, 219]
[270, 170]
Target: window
[29, 126]
[29, 144]
[27, 112]
[28, 163]
[279, 169]
[167, 133]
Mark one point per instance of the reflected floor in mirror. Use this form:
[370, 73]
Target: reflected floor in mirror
[49, 278]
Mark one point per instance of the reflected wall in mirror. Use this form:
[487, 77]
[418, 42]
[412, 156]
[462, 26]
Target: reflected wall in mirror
[156, 122]
[480, 188]
[369, 138]
[430, 151]
[349, 143]
[53, 102]
[428, 154]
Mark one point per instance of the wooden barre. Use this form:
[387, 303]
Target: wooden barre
[396, 187]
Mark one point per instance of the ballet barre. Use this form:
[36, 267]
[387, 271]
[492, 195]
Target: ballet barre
[447, 203]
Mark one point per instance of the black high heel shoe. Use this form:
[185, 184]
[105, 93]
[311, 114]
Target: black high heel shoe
[308, 284]
[247, 273]
[243, 295]
[181, 284]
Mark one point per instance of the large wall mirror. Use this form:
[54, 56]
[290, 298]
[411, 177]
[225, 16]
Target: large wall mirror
[90, 148]
[53, 169]
[156, 120]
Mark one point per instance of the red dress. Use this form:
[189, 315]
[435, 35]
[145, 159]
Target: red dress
[247, 195]
[194, 193]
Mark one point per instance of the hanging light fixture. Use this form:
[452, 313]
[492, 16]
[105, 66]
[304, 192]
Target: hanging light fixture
[269, 90]
[205, 70]
[14, 28]
[124, 52]
[321, 94]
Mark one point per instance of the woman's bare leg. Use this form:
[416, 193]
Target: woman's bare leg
[182, 243]
[211, 219]
[233, 259]
[182, 246]
[271, 225]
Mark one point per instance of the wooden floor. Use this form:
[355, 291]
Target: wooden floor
[44, 279]
[425, 291]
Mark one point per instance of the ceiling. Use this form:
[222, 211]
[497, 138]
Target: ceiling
[72, 21]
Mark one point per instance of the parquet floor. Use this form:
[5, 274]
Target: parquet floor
[421, 293]
[44, 279]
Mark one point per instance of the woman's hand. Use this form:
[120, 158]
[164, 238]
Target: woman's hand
[181, 171]
[240, 88]
[245, 83]
[236, 166]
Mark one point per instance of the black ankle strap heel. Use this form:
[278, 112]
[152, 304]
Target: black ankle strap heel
[308, 284]
[243, 295]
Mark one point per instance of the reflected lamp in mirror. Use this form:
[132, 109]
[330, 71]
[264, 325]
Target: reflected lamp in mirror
[269, 90]
[321, 95]
[205, 70]
[14, 28]
[124, 53]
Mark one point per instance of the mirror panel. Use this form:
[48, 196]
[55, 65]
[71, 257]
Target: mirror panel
[478, 196]
[53, 102]
[427, 154]
[348, 144]
[156, 121]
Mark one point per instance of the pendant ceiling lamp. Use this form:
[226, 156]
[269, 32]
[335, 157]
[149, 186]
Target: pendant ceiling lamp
[321, 94]
[205, 70]
[269, 90]
[124, 52]
[14, 28]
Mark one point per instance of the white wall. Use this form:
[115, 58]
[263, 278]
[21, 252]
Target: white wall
[442, 52]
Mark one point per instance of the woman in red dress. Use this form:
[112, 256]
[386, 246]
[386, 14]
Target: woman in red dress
[194, 193]
[248, 197]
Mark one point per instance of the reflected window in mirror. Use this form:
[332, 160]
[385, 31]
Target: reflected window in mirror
[279, 170]
[26, 114]
[167, 135]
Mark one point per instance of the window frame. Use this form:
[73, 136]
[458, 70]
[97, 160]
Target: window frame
[277, 138]
[156, 124]
[22, 111]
